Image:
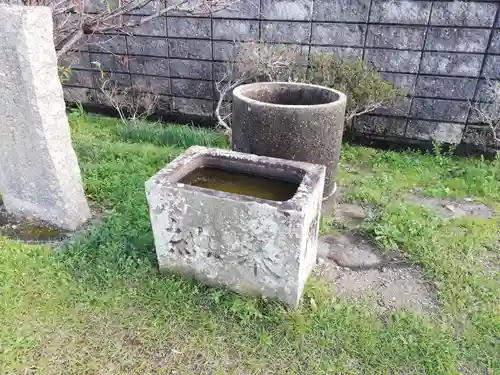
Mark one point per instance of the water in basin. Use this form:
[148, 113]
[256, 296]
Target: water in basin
[241, 183]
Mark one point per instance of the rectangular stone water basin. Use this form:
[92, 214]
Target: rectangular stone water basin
[246, 222]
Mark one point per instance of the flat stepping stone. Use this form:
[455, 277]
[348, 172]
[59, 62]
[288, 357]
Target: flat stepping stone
[351, 213]
[448, 208]
[349, 250]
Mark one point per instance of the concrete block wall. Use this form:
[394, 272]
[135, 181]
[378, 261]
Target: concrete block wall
[439, 51]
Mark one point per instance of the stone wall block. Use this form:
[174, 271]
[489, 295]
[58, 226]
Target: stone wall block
[399, 107]
[381, 125]
[495, 42]
[393, 61]
[405, 82]
[338, 34]
[347, 53]
[443, 132]
[455, 64]
[193, 27]
[400, 11]
[149, 65]
[191, 69]
[341, 10]
[241, 9]
[151, 84]
[485, 92]
[492, 67]
[81, 78]
[299, 10]
[463, 13]
[190, 49]
[189, 106]
[236, 30]
[155, 27]
[110, 62]
[107, 43]
[436, 109]
[446, 87]
[286, 32]
[400, 37]
[192, 88]
[443, 42]
[457, 40]
[143, 45]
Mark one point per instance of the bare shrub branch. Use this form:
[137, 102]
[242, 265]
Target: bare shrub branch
[363, 110]
[132, 104]
[73, 19]
[230, 79]
[255, 62]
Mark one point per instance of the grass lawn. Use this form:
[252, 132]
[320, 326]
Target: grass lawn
[100, 307]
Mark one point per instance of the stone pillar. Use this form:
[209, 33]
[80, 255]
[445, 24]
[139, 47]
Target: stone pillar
[39, 173]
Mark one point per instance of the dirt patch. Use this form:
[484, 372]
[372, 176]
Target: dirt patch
[449, 208]
[390, 288]
[355, 269]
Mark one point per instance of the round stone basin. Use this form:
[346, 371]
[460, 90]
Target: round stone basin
[293, 121]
